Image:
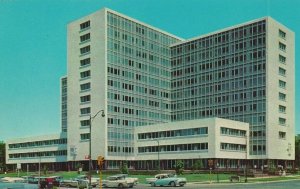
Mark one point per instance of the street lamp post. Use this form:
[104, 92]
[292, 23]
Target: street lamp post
[90, 146]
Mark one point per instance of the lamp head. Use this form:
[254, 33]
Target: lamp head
[103, 114]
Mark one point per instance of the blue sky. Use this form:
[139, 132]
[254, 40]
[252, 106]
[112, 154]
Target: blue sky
[33, 46]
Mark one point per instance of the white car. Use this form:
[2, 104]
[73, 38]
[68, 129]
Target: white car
[83, 179]
[69, 183]
[12, 179]
[119, 181]
[128, 179]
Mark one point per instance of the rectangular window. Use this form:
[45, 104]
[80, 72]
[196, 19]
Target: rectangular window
[85, 74]
[281, 121]
[85, 123]
[84, 111]
[282, 135]
[86, 98]
[281, 71]
[282, 59]
[85, 86]
[85, 136]
[85, 62]
[282, 46]
[85, 25]
[85, 49]
[85, 37]
[282, 96]
[282, 84]
[282, 109]
[282, 34]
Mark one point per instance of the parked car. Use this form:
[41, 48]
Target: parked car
[69, 183]
[12, 179]
[166, 180]
[83, 179]
[117, 181]
[128, 179]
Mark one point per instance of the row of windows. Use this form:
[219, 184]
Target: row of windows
[282, 135]
[209, 111]
[114, 58]
[174, 133]
[233, 132]
[254, 119]
[85, 74]
[38, 143]
[221, 38]
[120, 149]
[85, 62]
[281, 34]
[281, 83]
[39, 154]
[86, 98]
[174, 148]
[85, 86]
[85, 25]
[208, 101]
[233, 147]
[85, 136]
[128, 43]
[233, 58]
[85, 50]
[138, 29]
[85, 37]
[282, 121]
[84, 111]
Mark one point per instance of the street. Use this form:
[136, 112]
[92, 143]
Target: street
[292, 184]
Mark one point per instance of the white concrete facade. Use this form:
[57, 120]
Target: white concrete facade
[44, 148]
[214, 138]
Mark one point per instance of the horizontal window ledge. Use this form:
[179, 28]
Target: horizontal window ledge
[241, 151]
[84, 54]
[84, 42]
[84, 66]
[85, 78]
[84, 29]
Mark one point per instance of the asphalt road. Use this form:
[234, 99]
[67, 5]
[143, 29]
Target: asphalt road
[291, 184]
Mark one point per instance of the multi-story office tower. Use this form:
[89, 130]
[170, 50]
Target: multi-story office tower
[243, 73]
[122, 66]
[63, 101]
[140, 75]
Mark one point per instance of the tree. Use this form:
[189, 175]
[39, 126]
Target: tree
[124, 168]
[179, 167]
[2, 156]
[297, 150]
[197, 165]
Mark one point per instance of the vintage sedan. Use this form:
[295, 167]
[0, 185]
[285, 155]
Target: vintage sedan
[118, 181]
[69, 183]
[166, 180]
[128, 179]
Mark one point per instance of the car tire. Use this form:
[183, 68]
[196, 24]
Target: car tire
[120, 185]
[153, 184]
[172, 184]
[181, 184]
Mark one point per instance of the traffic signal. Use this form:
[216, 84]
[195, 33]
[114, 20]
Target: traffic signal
[100, 161]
